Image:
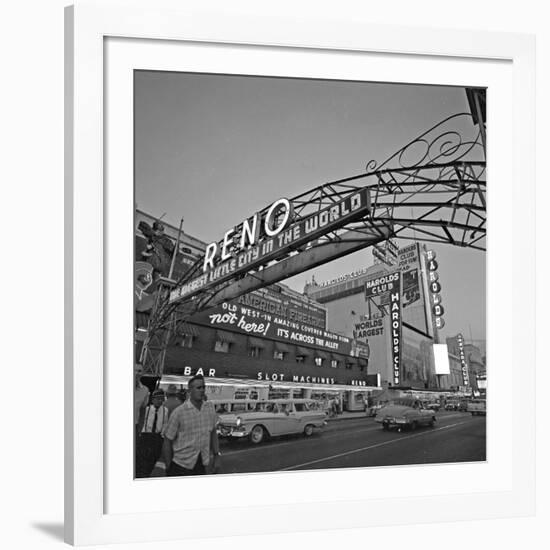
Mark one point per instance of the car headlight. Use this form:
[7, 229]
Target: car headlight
[239, 421]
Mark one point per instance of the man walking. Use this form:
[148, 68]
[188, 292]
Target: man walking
[174, 398]
[149, 443]
[141, 398]
[191, 444]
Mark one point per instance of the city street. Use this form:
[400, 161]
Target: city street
[360, 442]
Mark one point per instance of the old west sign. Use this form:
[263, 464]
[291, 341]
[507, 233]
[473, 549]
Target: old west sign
[237, 318]
[254, 243]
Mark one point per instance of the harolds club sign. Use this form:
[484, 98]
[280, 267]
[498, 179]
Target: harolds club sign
[237, 318]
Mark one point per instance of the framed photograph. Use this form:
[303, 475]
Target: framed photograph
[300, 274]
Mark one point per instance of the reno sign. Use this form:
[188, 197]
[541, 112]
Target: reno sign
[270, 236]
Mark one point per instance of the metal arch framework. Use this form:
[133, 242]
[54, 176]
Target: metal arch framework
[432, 189]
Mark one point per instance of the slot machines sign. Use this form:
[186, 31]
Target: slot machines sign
[435, 288]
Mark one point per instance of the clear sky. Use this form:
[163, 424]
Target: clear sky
[214, 149]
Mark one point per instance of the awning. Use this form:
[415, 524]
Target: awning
[321, 354]
[224, 336]
[302, 352]
[335, 357]
[255, 342]
[363, 362]
[188, 330]
[283, 348]
[351, 361]
[243, 383]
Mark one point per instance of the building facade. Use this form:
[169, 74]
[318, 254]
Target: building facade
[358, 304]
[337, 338]
[274, 342]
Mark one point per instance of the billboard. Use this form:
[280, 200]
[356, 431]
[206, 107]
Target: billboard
[269, 301]
[246, 320]
[409, 265]
[441, 359]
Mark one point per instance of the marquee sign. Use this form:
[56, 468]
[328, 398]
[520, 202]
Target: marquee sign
[256, 241]
[269, 376]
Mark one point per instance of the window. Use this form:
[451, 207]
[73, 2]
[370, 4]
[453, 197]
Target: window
[187, 341]
[319, 361]
[221, 347]
[254, 352]
[278, 355]
[334, 364]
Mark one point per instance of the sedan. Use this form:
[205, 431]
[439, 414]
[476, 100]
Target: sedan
[405, 414]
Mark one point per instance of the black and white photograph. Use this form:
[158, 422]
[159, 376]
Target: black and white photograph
[310, 274]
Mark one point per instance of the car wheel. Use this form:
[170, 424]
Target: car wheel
[308, 430]
[432, 422]
[384, 426]
[257, 434]
[414, 425]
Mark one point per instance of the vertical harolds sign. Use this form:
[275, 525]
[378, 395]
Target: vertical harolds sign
[396, 330]
[389, 288]
[465, 375]
[435, 288]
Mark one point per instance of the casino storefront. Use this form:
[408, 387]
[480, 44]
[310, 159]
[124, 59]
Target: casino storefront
[269, 344]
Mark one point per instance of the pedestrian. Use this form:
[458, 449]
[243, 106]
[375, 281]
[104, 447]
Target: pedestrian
[191, 445]
[173, 398]
[149, 443]
[141, 399]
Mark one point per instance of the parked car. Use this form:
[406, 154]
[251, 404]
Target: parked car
[224, 406]
[477, 407]
[274, 417]
[434, 406]
[451, 406]
[405, 414]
